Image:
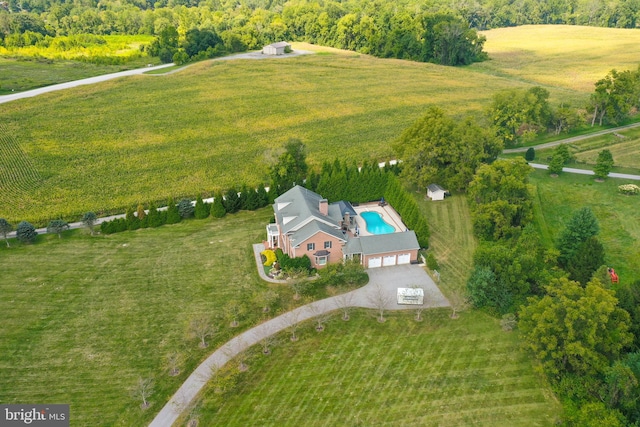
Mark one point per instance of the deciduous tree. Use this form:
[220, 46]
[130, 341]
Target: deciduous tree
[5, 228]
[291, 167]
[604, 164]
[57, 226]
[439, 149]
[575, 329]
[89, 220]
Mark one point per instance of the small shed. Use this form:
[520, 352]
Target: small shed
[279, 48]
[435, 192]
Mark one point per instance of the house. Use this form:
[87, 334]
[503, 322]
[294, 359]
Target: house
[307, 224]
[279, 48]
[435, 192]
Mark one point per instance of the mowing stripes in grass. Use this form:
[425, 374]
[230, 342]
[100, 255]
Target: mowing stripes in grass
[402, 372]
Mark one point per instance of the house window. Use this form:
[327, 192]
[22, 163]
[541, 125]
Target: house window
[327, 245]
[311, 246]
[321, 260]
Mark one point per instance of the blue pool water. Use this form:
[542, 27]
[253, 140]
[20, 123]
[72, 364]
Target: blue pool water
[375, 223]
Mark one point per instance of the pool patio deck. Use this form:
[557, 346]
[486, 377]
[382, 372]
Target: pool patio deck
[388, 214]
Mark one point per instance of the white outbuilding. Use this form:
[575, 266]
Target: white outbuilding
[435, 192]
[279, 48]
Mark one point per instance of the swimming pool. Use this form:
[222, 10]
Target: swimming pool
[375, 223]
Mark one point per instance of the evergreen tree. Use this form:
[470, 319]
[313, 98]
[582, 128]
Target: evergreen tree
[185, 208]
[133, 223]
[25, 232]
[242, 197]
[154, 218]
[263, 196]
[173, 214]
[530, 155]
[252, 201]
[201, 210]
[5, 228]
[231, 201]
[582, 225]
[217, 207]
[604, 164]
[588, 257]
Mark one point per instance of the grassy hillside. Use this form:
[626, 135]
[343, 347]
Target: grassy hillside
[220, 123]
[361, 373]
[83, 318]
[565, 56]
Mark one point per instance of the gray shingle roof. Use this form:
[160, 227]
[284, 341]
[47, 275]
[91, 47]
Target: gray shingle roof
[312, 228]
[434, 187]
[382, 243]
[299, 206]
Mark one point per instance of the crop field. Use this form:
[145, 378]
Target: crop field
[218, 124]
[619, 215]
[568, 56]
[402, 372]
[83, 318]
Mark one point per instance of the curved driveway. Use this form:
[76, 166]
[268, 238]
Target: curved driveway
[382, 286]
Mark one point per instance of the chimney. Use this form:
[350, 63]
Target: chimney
[324, 207]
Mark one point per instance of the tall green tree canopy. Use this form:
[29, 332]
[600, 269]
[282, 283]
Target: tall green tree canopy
[291, 167]
[575, 329]
[439, 149]
[582, 225]
[519, 113]
[500, 198]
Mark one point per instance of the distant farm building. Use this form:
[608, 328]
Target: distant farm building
[435, 192]
[279, 48]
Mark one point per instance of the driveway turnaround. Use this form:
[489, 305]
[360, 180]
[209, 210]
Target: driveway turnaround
[382, 287]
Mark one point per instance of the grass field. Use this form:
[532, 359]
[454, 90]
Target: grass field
[566, 56]
[221, 123]
[83, 318]
[619, 215]
[362, 373]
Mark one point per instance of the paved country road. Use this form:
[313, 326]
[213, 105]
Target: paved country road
[570, 140]
[589, 172]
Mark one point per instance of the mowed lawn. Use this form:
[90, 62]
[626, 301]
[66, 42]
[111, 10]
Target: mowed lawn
[84, 318]
[218, 124]
[556, 199]
[402, 372]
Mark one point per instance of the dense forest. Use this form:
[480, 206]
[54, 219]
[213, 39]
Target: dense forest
[440, 31]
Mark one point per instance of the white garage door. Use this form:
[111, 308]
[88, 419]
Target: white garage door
[404, 259]
[375, 262]
[389, 260]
